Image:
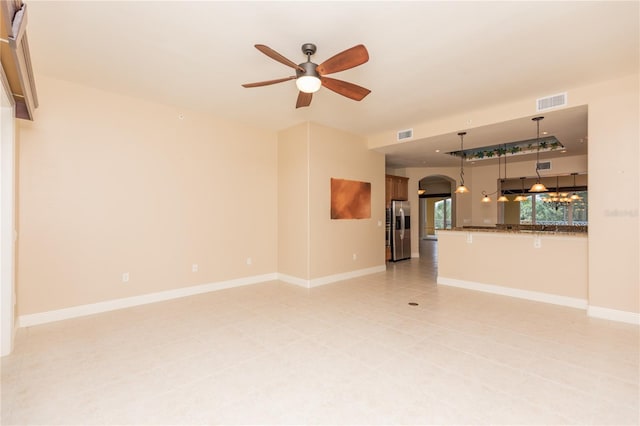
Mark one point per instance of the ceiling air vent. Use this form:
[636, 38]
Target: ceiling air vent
[405, 134]
[544, 166]
[552, 101]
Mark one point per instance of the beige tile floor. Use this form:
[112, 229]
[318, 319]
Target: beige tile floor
[352, 352]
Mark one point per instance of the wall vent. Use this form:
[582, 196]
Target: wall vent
[405, 134]
[552, 101]
[544, 166]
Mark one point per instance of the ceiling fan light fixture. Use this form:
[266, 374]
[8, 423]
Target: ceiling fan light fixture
[308, 83]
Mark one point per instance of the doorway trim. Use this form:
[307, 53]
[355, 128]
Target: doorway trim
[7, 216]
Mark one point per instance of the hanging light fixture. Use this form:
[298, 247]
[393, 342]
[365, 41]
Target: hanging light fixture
[420, 189]
[502, 198]
[521, 197]
[538, 186]
[557, 198]
[486, 196]
[461, 189]
[575, 196]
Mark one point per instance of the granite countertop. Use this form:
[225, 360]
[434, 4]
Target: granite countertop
[550, 229]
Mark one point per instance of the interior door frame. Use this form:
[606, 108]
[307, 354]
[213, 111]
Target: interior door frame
[7, 216]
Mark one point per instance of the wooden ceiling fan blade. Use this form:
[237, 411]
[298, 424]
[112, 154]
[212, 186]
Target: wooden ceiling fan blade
[304, 99]
[345, 60]
[278, 57]
[268, 82]
[344, 88]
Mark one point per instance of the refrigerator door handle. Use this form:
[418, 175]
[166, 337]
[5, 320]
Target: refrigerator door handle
[401, 223]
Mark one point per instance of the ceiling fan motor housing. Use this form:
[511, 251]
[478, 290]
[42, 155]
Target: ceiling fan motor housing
[309, 70]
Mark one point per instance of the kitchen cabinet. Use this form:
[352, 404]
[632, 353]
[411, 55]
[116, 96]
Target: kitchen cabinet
[396, 188]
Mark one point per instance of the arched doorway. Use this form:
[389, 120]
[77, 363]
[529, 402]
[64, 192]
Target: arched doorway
[436, 205]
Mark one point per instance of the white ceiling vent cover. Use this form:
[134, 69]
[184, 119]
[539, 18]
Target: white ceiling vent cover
[552, 101]
[405, 134]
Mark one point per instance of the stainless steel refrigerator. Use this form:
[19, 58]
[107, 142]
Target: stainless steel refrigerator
[400, 230]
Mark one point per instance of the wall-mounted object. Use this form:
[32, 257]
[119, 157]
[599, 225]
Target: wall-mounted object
[350, 199]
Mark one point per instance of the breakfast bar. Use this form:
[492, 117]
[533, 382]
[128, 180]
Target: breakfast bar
[535, 262]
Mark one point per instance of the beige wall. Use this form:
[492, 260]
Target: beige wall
[614, 194]
[333, 243]
[510, 260]
[311, 245]
[111, 184]
[613, 160]
[293, 201]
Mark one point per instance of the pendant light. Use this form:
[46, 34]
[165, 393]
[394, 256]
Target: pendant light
[486, 197]
[575, 196]
[521, 197]
[538, 186]
[502, 198]
[557, 198]
[461, 189]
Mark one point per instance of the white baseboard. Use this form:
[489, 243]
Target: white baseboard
[127, 302]
[330, 278]
[415, 255]
[571, 302]
[614, 315]
[111, 305]
[293, 280]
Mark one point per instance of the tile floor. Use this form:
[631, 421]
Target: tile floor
[352, 352]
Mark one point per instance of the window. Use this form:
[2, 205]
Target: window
[442, 214]
[535, 211]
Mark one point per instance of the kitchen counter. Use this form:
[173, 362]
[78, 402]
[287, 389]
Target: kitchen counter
[550, 229]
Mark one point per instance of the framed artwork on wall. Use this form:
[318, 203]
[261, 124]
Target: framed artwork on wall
[350, 199]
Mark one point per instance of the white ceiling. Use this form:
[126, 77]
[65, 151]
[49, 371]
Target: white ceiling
[427, 59]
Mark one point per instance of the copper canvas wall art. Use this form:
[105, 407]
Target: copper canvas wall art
[350, 199]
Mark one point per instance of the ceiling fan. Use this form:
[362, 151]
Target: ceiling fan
[309, 76]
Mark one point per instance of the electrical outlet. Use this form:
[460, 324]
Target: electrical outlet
[469, 237]
[249, 261]
[125, 277]
[537, 242]
[194, 267]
